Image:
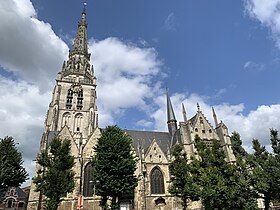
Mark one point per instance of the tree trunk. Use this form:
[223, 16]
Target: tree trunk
[184, 202]
[114, 204]
[207, 205]
[103, 202]
[266, 203]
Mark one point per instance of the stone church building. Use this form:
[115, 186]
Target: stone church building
[73, 115]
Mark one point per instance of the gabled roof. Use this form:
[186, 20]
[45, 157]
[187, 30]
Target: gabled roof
[195, 118]
[145, 138]
[20, 192]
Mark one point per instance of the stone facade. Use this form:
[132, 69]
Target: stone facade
[73, 115]
[15, 199]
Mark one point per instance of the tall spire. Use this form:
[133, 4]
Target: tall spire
[80, 46]
[184, 113]
[171, 120]
[78, 62]
[170, 111]
[215, 117]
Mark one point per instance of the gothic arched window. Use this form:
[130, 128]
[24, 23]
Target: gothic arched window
[80, 100]
[69, 99]
[157, 181]
[65, 119]
[88, 186]
[78, 123]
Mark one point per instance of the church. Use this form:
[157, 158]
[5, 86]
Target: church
[73, 114]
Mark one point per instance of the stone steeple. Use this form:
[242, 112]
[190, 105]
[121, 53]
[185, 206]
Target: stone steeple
[80, 43]
[171, 120]
[75, 91]
[78, 62]
[72, 114]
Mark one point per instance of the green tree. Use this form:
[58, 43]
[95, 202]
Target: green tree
[246, 196]
[55, 177]
[219, 180]
[12, 173]
[114, 165]
[266, 169]
[182, 185]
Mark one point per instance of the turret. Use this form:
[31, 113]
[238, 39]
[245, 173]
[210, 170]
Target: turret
[215, 117]
[171, 120]
[184, 113]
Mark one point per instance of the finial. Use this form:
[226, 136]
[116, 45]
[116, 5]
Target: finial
[184, 113]
[85, 5]
[198, 107]
[215, 117]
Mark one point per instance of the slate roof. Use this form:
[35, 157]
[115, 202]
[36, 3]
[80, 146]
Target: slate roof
[192, 120]
[145, 138]
[176, 139]
[51, 136]
[20, 192]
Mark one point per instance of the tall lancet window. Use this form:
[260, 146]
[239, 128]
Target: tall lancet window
[66, 119]
[88, 185]
[78, 123]
[69, 99]
[157, 181]
[80, 99]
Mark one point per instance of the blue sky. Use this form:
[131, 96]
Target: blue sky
[204, 44]
[219, 53]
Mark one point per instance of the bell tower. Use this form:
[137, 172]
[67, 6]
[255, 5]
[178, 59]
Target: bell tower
[74, 97]
[72, 114]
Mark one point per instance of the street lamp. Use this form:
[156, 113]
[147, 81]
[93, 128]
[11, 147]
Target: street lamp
[94, 184]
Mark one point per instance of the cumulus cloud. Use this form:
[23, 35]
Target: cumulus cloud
[123, 68]
[31, 50]
[29, 47]
[256, 124]
[22, 113]
[128, 76]
[267, 13]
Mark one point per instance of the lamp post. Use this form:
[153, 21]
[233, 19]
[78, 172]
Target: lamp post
[94, 184]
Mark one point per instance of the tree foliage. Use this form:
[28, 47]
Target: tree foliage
[266, 169]
[114, 165]
[182, 185]
[211, 173]
[247, 194]
[222, 184]
[12, 173]
[55, 177]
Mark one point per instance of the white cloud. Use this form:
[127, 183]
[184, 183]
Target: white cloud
[256, 124]
[128, 77]
[125, 75]
[29, 47]
[170, 22]
[253, 66]
[22, 113]
[145, 123]
[268, 13]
